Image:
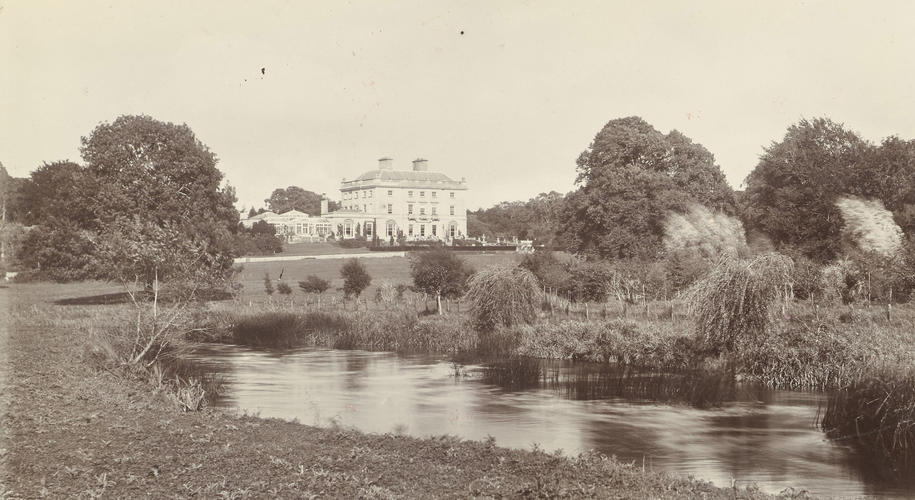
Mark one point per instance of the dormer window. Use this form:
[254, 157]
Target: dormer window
[410, 194]
[422, 194]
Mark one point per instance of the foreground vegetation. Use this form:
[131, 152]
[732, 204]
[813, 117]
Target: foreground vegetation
[73, 425]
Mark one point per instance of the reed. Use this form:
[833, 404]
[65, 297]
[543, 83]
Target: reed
[876, 412]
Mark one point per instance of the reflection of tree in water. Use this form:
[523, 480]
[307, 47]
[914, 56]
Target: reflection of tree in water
[354, 376]
[591, 381]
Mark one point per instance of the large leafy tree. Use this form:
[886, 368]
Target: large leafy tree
[890, 177]
[791, 194]
[59, 193]
[158, 184]
[631, 177]
[296, 198]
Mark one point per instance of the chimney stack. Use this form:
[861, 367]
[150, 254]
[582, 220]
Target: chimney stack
[323, 206]
[386, 163]
[420, 165]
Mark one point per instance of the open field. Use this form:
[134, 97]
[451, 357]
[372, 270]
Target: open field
[393, 270]
[76, 426]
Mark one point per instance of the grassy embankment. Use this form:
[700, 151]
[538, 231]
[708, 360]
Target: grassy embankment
[74, 425]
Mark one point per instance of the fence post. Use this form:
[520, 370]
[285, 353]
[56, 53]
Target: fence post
[587, 315]
[889, 309]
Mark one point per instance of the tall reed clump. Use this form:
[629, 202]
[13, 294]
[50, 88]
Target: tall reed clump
[502, 296]
[732, 304]
[877, 412]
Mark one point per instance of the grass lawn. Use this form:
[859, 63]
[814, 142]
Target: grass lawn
[73, 425]
[393, 270]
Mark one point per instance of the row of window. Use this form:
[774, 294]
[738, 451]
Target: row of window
[367, 193]
[390, 209]
[348, 229]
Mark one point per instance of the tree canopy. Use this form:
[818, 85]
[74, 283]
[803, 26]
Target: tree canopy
[535, 219]
[440, 273]
[791, 194]
[296, 198]
[631, 177]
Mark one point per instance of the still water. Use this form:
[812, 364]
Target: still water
[769, 438]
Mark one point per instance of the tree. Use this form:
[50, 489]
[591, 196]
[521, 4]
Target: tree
[502, 296]
[314, 284]
[535, 219]
[631, 177]
[439, 272]
[791, 194]
[259, 239]
[355, 278]
[60, 193]
[296, 198]
[156, 180]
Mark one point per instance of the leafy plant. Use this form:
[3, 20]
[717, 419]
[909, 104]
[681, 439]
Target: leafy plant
[502, 296]
[313, 284]
[355, 278]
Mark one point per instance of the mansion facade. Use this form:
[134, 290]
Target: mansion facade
[411, 205]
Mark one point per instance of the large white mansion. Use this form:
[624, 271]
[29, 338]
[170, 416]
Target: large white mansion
[413, 204]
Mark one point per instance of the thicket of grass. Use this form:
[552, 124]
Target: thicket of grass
[876, 412]
[396, 329]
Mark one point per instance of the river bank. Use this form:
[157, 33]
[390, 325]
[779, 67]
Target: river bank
[73, 426]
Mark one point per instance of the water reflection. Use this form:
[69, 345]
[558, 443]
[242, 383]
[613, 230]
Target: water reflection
[754, 435]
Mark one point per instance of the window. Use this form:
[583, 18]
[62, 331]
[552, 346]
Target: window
[390, 228]
[390, 192]
[390, 208]
[409, 209]
[422, 229]
[370, 194]
[452, 209]
[422, 210]
[434, 193]
[364, 208]
[452, 194]
[410, 230]
[410, 194]
[422, 194]
[433, 229]
[452, 229]
[433, 211]
[368, 229]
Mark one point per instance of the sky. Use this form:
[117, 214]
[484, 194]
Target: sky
[506, 94]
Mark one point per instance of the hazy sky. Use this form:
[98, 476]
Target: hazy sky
[506, 94]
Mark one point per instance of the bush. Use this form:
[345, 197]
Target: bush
[357, 242]
[502, 296]
[355, 278]
[732, 304]
[313, 284]
[260, 239]
[268, 284]
[283, 288]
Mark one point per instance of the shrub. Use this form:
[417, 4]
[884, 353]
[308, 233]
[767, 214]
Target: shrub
[357, 242]
[313, 284]
[733, 302]
[268, 284]
[355, 277]
[591, 282]
[283, 288]
[502, 296]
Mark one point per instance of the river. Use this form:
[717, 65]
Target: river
[765, 437]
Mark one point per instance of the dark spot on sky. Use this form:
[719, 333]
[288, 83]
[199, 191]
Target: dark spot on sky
[462, 32]
[263, 71]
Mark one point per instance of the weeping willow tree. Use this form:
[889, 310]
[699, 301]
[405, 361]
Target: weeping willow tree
[502, 296]
[734, 302]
